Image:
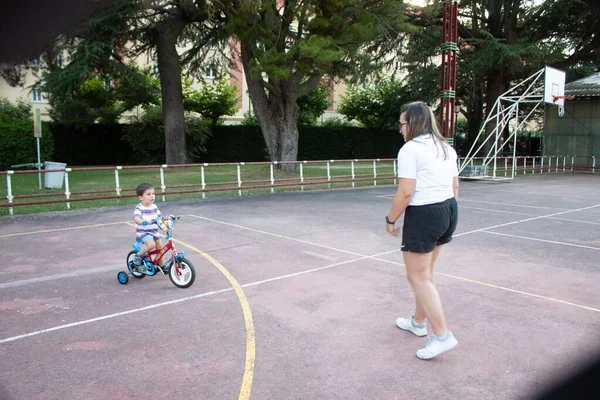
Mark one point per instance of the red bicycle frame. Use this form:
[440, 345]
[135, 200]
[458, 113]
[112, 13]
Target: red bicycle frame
[155, 255]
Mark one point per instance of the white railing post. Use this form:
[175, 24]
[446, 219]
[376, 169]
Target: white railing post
[542, 165]
[239, 177]
[572, 162]
[549, 164]
[329, 174]
[525, 165]
[202, 180]
[557, 161]
[564, 163]
[273, 177]
[352, 171]
[375, 172]
[302, 175]
[162, 181]
[9, 195]
[67, 191]
[593, 164]
[117, 184]
[396, 170]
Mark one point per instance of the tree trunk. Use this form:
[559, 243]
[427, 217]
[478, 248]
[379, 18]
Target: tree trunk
[171, 90]
[475, 107]
[277, 113]
[495, 87]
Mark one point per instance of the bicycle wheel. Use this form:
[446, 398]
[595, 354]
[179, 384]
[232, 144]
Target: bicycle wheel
[182, 273]
[130, 258]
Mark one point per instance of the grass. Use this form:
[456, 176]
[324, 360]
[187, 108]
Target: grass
[221, 177]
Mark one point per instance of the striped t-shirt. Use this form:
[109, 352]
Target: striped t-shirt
[146, 213]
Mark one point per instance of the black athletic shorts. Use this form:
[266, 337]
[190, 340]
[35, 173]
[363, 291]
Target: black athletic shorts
[429, 225]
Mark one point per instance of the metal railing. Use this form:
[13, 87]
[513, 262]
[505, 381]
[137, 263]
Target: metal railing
[245, 177]
[207, 178]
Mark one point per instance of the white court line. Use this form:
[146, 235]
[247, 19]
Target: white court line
[543, 240]
[87, 321]
[256, 283]
[512, 204]
[528, 219]
[362, 257]
[530, 215]
[55, 277]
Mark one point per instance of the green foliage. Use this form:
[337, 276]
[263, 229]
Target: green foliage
[234, 143]
[335, 122]
[100, 97]
[97, 144]
[249, 119]
[376, 106]
[212, 100]
[313, 104]
[146, 136]
[17, 143]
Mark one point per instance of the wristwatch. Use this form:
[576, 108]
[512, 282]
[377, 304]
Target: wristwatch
[388, 221]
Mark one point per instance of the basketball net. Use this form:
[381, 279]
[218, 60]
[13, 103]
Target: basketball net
[561, 107]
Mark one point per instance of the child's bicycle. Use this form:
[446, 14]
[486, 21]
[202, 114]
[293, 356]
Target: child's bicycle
[180, 270]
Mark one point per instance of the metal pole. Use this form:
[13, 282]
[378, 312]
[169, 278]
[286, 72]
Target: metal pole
[39, 163]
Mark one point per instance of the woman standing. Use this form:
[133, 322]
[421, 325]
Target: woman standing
[427, 192]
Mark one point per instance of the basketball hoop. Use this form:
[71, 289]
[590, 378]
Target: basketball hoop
[556, 98]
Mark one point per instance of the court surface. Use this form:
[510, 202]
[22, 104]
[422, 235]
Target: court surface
[296, 297]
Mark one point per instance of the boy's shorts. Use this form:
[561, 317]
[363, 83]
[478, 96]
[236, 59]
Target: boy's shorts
[143, 239]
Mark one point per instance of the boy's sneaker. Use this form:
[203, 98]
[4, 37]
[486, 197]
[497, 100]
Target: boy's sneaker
[409, 324]
[437, 345]
[165, 269]
[138, 264]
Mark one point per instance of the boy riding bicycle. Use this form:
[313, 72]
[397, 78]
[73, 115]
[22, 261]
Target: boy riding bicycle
[146, 231]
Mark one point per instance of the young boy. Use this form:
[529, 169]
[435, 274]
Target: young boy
[146, 231]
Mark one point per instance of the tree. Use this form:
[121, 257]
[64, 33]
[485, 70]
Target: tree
[287, 46]
[505, 41]
[101, 97]
[376, 106]
[129, 28]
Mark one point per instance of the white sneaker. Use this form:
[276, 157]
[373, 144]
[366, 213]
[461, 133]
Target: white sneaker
[409, 324]
[435, 347]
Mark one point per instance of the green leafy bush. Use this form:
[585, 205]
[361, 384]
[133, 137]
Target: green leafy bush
[17, 143]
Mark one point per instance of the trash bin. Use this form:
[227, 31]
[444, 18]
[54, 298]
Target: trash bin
[54, 180]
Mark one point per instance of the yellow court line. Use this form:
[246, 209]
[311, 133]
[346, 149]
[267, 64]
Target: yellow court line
[61, 229]
[250, 333]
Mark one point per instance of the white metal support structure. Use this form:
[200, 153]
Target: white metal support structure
[539, 88]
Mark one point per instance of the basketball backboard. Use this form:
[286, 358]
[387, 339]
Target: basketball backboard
[554, 85]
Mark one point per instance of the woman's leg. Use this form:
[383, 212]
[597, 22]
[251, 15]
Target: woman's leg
[419, 273]
[419, 316]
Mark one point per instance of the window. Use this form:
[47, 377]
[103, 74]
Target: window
[210, 71]
[37, 96]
